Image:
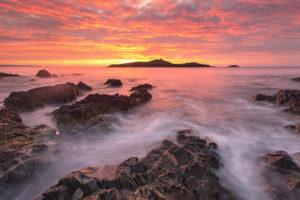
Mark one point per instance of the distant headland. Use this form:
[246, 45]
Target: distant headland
[159, 63]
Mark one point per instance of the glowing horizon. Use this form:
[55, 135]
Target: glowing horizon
[103, 32]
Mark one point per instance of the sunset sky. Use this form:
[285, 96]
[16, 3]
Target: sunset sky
[101, 32]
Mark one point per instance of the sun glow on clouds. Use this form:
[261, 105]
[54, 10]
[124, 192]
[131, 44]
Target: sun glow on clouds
[101, 32]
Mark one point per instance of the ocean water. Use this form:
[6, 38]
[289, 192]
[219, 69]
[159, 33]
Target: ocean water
[215, 102]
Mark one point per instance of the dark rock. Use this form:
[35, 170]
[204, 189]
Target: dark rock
[91, 111]
[294, 128]
[114, 83]
[288, 98]
[21, 148]
[42, 96]
[282, 175]
[233, 66]
[44, 74]
[145, 86]
[2, 75]
[84, 87]
[297, 79]
[170, 171]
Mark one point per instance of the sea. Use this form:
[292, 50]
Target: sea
[216, 103]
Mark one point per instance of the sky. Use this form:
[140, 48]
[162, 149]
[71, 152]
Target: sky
[102, 32]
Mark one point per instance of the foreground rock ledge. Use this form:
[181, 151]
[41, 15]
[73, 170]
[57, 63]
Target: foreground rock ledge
[22, 148]
[42, 96]
[90, 111]
[282, 174]
[183, 171]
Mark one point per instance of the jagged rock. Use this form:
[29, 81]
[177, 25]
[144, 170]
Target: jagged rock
[42, 96]
[2, 75]
[44, 74]
[170, 171]
[114, 82]
[288, 98]
[21, 148]
[282, 175]
[90, 111]
[83, 86]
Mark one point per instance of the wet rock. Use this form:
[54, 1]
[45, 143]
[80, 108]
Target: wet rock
[297, 79]
[145, 86]
[282, 174]
[114, 82]
[44, 74]
[42, 96]
[21, 149]
[293, 128]
[170, 171]
[2, 75]
[93, 110]
[84, 87]
[286, 97]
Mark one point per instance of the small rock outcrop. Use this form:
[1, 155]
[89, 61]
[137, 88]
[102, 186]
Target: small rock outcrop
[40, 97]
[145, 86]
[84, 87]
[44, 74]
[92, 110]
[183, 171]
[297, 79]
[22, 148]
[282, 175]
[2, 75]
[286, 97]
[113, 83]
[233, 66]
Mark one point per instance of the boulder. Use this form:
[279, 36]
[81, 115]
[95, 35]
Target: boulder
[22, 150]
[84, 87]
[42, 96]
[2, 75]
[44, 74]
[93, 110]
[171, 171]
[114, 83]
[282, 174]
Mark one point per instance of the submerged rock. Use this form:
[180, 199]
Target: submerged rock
[297, 79]
[2, 75]
[145, 86]
[294, 128]
[114, 82]
[22, 151]
[282, 175]
[92, 110]
[170, 171]
[44, 74]
[83, 86]
[42, 96]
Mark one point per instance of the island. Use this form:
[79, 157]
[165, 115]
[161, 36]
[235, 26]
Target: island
[159, 63]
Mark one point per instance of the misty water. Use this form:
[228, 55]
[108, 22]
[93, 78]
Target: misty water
[214, 102]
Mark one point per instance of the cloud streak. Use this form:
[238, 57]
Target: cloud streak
[220, 32]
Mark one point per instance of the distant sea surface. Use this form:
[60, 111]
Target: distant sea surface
[215, 102]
